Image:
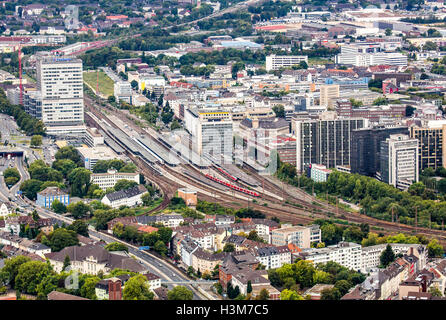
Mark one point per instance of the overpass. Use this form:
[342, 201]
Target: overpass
[11, 152]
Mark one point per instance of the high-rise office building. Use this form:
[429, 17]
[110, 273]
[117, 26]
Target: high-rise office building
[212, 132]
[431, 146]
[60, 83]
[366, 148]
[399, 161]
[325, 141]
[329, 93]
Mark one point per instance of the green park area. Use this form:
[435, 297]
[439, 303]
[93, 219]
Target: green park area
[104, 82]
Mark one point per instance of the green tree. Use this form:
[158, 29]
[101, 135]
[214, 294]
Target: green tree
[80, 227]
[343, 286]
[229, 247]
[58, 207]
[47, 285]
[11, 176]
[60, 238]
[79, 209]
[249, 287]
[180, 293]
[11, 268]
[69, 152]
[263, 295]
[387, 256]
[79, 180]
[36, 140]
[116, 246]
[388, 32]
[279, 111]
[87, 289]
[66, 262]
[30, 274]
[160, 247]
[435, 249]
[435, 292]
[65, 166]
[124, 184]
[331, 294]
[146, 199]
[137, 288]
[290, 295]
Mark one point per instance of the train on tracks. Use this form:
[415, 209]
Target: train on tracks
[237, 188]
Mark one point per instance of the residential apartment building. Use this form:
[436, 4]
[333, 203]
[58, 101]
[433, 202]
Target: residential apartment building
[109, 179]
[274, 62]
[399, 161]
[371, 255]
[273, 257]
[347, 254]
[431, 146]
[298, 235]
[172, 220]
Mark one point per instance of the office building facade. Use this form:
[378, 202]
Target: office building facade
[399, 161]
[326, 141]
[431, 146]
[60, 83]
[366, 148]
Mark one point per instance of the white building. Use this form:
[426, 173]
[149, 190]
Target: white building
[211, 130]
[61, 85]
[370, 59]
[90, 156]
[172, 220]
[123, 91]
[399, 160]
[273, 257]
[109, 179]
[352, 255]
[347, 254]
[150, 81]
[298, 235]
[129, 197]
[371, 255]
[4, 210]
[93, 138]
[319, 173]
[274, 62]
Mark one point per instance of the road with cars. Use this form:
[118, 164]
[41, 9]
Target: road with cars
[24, 206]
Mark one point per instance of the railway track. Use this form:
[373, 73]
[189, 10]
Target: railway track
[389, 227]
[285, 212]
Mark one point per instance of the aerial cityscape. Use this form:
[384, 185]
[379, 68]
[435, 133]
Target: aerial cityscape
[222, 150]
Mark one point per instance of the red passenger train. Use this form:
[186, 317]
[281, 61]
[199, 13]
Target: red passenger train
[252, 193]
